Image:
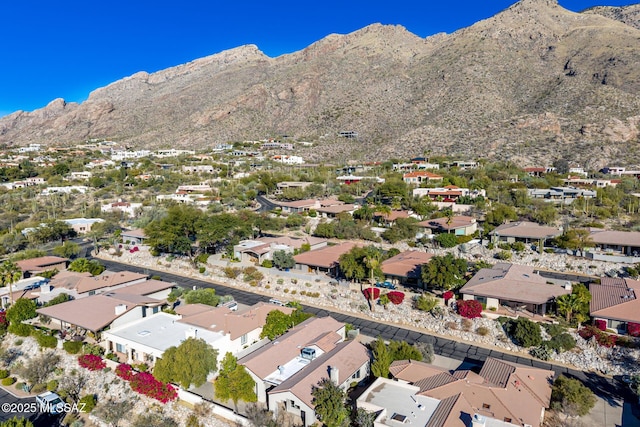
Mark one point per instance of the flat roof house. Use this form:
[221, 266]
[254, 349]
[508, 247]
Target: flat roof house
[516, 286]
[460, 225]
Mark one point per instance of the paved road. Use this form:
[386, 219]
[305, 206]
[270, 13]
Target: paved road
[266, 205]
[39, 419]
[607, 388]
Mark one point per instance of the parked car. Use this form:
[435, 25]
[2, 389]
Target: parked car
[277, 302]
[50, 402]
[385, 285]
[231, 305]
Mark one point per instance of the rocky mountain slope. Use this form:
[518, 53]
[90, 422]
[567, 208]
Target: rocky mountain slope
[533, 83]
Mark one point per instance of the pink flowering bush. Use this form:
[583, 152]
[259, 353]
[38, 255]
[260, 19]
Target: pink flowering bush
[145, 383]
[447, 296]
[125, 371]
[633, 329]
[395, 297]
[371, 293]
[602, 338]
[601, 324]
[91, 362]
[469, 309]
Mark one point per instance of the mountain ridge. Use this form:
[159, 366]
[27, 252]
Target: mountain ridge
[529, 84]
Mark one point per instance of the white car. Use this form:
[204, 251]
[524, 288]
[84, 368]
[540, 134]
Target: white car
[277, 302]
[50, 402]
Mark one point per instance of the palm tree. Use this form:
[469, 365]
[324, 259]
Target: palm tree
[9, 274]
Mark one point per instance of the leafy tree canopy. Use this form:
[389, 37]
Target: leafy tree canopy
[330, 404]
[234, 382]
[187, 364]
[444, 272]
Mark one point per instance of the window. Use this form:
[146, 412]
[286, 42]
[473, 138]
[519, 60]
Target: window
[292, 405]
[507, 419]
[243, 339]
[120, 348]
[356, 374]
[92, 293]
[486, 406]
[156, 309]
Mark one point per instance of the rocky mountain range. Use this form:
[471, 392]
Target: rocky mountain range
[534, 83]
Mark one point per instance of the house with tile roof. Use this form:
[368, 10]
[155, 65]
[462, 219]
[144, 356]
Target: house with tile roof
[405, 268]
[345, 365]
[272, 364]
[262, 249]
[146, 339]
[524, 231]
[33, 266]
[615, 246]
[501, 394]
[98, 312]
[516, 286]
[615, 300]
[324, 260]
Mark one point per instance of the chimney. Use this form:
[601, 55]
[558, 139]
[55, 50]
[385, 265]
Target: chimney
[191, 333]
[478, 421]
[334, 375]
[120, 309]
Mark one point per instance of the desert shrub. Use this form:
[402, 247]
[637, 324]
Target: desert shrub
[425, 303]
[201, 270]
[19, 386]
[503, 255]
[3, 374]
[52, 385]
[602, 338]
[8, 381]
[252, 274]
[466, 324]
[525, 332]
[267, 263]
[45, 341]
[561, 343]
[447, 296]
[451, 325]
[87, 403]
[541, 352]
[20, 329]
[39, 388]
[446, 240]
[469, 309]
[482, 331]
[232, 272]
[72, 347]
[553, 329]
[518, 246]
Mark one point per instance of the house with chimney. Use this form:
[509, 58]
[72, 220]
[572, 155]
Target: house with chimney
[287, 369]
[501, 394]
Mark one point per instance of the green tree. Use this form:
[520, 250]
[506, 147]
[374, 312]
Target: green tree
[446, 240]
[16, 422]
[67, 250]
[189, 363]
[402, 350]
[83, 265]
[576, 239]
[202, 296]
[500, 213]
[364, 418]
[382, 358]
[426, 303]
[444, 272]
[330, 404]
[283, 260]
[525, 332]
[9, 274]
[277, 322]
[575, 306]
[234, 382]
[571, 397]
[23, 309]
[176, 232]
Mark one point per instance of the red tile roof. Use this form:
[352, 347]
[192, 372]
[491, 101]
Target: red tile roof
[616, 298]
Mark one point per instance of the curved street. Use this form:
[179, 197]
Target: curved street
[607, 388]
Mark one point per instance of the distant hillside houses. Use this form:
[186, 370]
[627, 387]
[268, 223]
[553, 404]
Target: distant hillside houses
[120, 155]
[564, 195]
[450, 193]
[125, 207]
[172, 152]
[27, 182]
[68, 190]
[288, 160]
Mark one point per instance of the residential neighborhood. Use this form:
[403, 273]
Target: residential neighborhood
[536, 283]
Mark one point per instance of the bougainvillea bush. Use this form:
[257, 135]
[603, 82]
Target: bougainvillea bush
[371, 291]
[145, 383]
[395, 297]
[91, 362]
[602, 338]
[469, 309]
[601, 324]
[447, 296]
[125, 371]
[633, 329]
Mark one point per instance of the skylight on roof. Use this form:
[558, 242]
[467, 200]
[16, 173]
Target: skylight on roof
[144, 333]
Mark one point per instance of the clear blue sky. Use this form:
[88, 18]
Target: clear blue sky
[66, 49]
